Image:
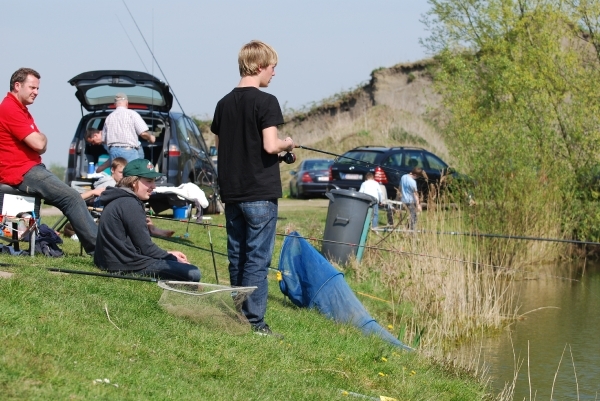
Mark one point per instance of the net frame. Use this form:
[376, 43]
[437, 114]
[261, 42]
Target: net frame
[213, 306]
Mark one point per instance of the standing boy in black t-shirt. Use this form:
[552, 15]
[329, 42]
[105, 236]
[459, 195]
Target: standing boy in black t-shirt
[245, 124]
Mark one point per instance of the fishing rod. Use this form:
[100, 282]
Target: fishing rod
[130, 41]
[59, 270]
[200, 154]
[175, 241]
[474, 263]
[350, 158]
[378, 248]
[517, 237]
[153, 57]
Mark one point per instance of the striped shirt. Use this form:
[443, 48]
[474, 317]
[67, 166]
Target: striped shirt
[122, 128]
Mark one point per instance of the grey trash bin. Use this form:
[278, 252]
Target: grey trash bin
[346, 218]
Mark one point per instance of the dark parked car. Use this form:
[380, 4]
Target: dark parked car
[179, 152]
[387, 165]
[311, 178]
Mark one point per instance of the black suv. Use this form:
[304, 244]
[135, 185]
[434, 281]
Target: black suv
[179, 152]
[387, 165]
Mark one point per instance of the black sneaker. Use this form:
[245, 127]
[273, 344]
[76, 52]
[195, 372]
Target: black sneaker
[266, 331]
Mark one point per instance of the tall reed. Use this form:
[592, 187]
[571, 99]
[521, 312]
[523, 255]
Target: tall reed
[450, 288]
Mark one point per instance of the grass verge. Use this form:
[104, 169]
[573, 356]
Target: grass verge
[62, 335]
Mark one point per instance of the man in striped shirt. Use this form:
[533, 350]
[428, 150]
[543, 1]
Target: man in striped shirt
[122, 129]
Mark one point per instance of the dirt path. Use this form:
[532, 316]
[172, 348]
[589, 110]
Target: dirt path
[284, 204]
[50, 211]
[287, 204]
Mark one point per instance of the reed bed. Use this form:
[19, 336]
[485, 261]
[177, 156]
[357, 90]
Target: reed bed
[447, 289]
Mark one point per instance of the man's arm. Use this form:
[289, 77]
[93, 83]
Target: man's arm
[36, 141]
[273, 145]
[103, 166]
[148, 136]
[92, 193]
[416, 195]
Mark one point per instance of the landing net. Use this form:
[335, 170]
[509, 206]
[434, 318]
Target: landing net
[216, 307]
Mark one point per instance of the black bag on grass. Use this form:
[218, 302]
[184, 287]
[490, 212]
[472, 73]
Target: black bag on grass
[46, 242]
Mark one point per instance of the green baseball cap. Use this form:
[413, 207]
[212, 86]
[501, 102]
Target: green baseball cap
[140, 168]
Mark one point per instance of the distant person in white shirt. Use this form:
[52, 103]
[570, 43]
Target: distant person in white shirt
[371, 187]
[122, 130]
[410, 195]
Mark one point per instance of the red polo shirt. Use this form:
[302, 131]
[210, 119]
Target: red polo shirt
[16, 158]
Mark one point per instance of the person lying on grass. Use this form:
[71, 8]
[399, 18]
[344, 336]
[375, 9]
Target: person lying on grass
[124, 244]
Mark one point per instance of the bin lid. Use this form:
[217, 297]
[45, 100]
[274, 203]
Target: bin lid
[351, 194]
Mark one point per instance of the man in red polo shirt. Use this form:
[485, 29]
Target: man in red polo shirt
[21, 147]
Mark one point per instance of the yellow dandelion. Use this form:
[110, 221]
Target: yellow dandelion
[390, 327]
[412, 372]
[384, 359]
[382, 374]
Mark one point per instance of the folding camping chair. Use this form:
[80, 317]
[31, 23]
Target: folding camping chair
[20, 214]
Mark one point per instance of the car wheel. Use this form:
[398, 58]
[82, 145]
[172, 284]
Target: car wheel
[299, 194]
[292, 195]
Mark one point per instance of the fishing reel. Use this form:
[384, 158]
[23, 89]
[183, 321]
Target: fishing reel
[288, 158]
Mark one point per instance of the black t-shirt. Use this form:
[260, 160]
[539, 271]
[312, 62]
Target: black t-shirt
[246, 171]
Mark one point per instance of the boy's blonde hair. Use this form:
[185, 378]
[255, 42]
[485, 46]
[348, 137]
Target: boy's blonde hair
[255, 55]
[118, 161]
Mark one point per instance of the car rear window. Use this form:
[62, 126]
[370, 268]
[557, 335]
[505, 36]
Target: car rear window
[351, 157]
[317, 164]
[105, 94]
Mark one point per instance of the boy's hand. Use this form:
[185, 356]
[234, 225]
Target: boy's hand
[292, 144]
[181, 258]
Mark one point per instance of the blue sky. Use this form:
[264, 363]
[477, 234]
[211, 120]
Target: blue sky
[324, 47]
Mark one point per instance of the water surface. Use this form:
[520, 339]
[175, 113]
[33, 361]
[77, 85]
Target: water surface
[565, 315]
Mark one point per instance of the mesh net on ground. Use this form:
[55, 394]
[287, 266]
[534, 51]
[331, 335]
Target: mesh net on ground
[216, 307]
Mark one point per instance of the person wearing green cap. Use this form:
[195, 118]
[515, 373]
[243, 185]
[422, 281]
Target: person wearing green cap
[124, 244]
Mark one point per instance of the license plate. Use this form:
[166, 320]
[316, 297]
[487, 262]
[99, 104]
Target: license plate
[352, 177]
[322, 178]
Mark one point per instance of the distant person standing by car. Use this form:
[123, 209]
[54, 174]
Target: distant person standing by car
[122, 129]
[124, 244]
[371, 187]
[95, 148]
[21, 147]
[410, 195]
[245, 124]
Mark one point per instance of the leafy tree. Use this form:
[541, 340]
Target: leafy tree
[520, 83]
[58, 170]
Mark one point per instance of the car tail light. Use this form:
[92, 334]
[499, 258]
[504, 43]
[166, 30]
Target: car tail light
[306, 177]
[72, 148]
[330, 174]
[174, 150]
[380, 176]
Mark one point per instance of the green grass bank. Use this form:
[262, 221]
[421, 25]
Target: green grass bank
[62, 335]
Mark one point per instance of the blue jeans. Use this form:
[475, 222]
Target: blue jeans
[166, 269]
[41, 182]
[128, 154]
[250, 241]
[412, 209]
[375, 220]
